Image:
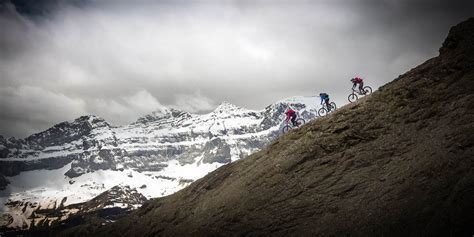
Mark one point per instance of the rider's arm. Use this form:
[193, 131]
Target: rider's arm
[321, 100]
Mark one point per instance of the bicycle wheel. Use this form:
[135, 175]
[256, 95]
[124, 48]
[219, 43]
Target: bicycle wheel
[300, 121]
[367, 90]
[333, 106]
[286, 128]
[322, 112]
[352, 97]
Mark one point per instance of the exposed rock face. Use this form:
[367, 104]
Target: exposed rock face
[90, 143]
[14, 167]
[398, 163]
[66, 132]
[122, 197]
[216, 150]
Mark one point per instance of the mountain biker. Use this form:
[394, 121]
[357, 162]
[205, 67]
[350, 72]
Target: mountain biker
[358, 80]
[325, 98]
[291, 114]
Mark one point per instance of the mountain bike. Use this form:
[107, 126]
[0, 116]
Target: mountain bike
[325, 110]
[355, 92]
[289, 125]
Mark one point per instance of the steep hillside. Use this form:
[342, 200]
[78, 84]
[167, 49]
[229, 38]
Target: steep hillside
[399, 162]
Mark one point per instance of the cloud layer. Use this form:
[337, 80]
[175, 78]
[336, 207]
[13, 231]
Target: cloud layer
[121, 60]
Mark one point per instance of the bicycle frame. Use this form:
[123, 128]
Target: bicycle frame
[354, 91]
[325, 106]
[289, 123]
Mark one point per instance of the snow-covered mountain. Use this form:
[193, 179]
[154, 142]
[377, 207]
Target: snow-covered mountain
[158, 154]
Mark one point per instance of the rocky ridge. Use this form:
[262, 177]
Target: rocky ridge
[228, 133]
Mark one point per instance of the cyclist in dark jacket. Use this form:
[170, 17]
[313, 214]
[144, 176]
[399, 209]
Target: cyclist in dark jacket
[325, 98]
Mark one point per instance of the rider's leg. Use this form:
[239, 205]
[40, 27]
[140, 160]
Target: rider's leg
[327, 104]
[361, 88]
[293, 120]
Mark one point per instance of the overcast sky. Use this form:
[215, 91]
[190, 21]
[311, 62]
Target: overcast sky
[123, 59]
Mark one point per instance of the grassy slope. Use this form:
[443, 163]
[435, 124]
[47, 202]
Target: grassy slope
[398, 162]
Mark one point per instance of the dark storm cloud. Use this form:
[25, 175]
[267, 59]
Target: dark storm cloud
[123, 59]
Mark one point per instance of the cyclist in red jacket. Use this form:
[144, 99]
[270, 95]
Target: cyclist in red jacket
[357, 80]
[291, 114]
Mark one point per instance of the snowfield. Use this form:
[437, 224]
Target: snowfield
[43, 185]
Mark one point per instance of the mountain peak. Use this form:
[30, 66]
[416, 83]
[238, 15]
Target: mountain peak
[163, 113]
[226, 106]
[90, 117]
[160, 112]
[93, 120]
